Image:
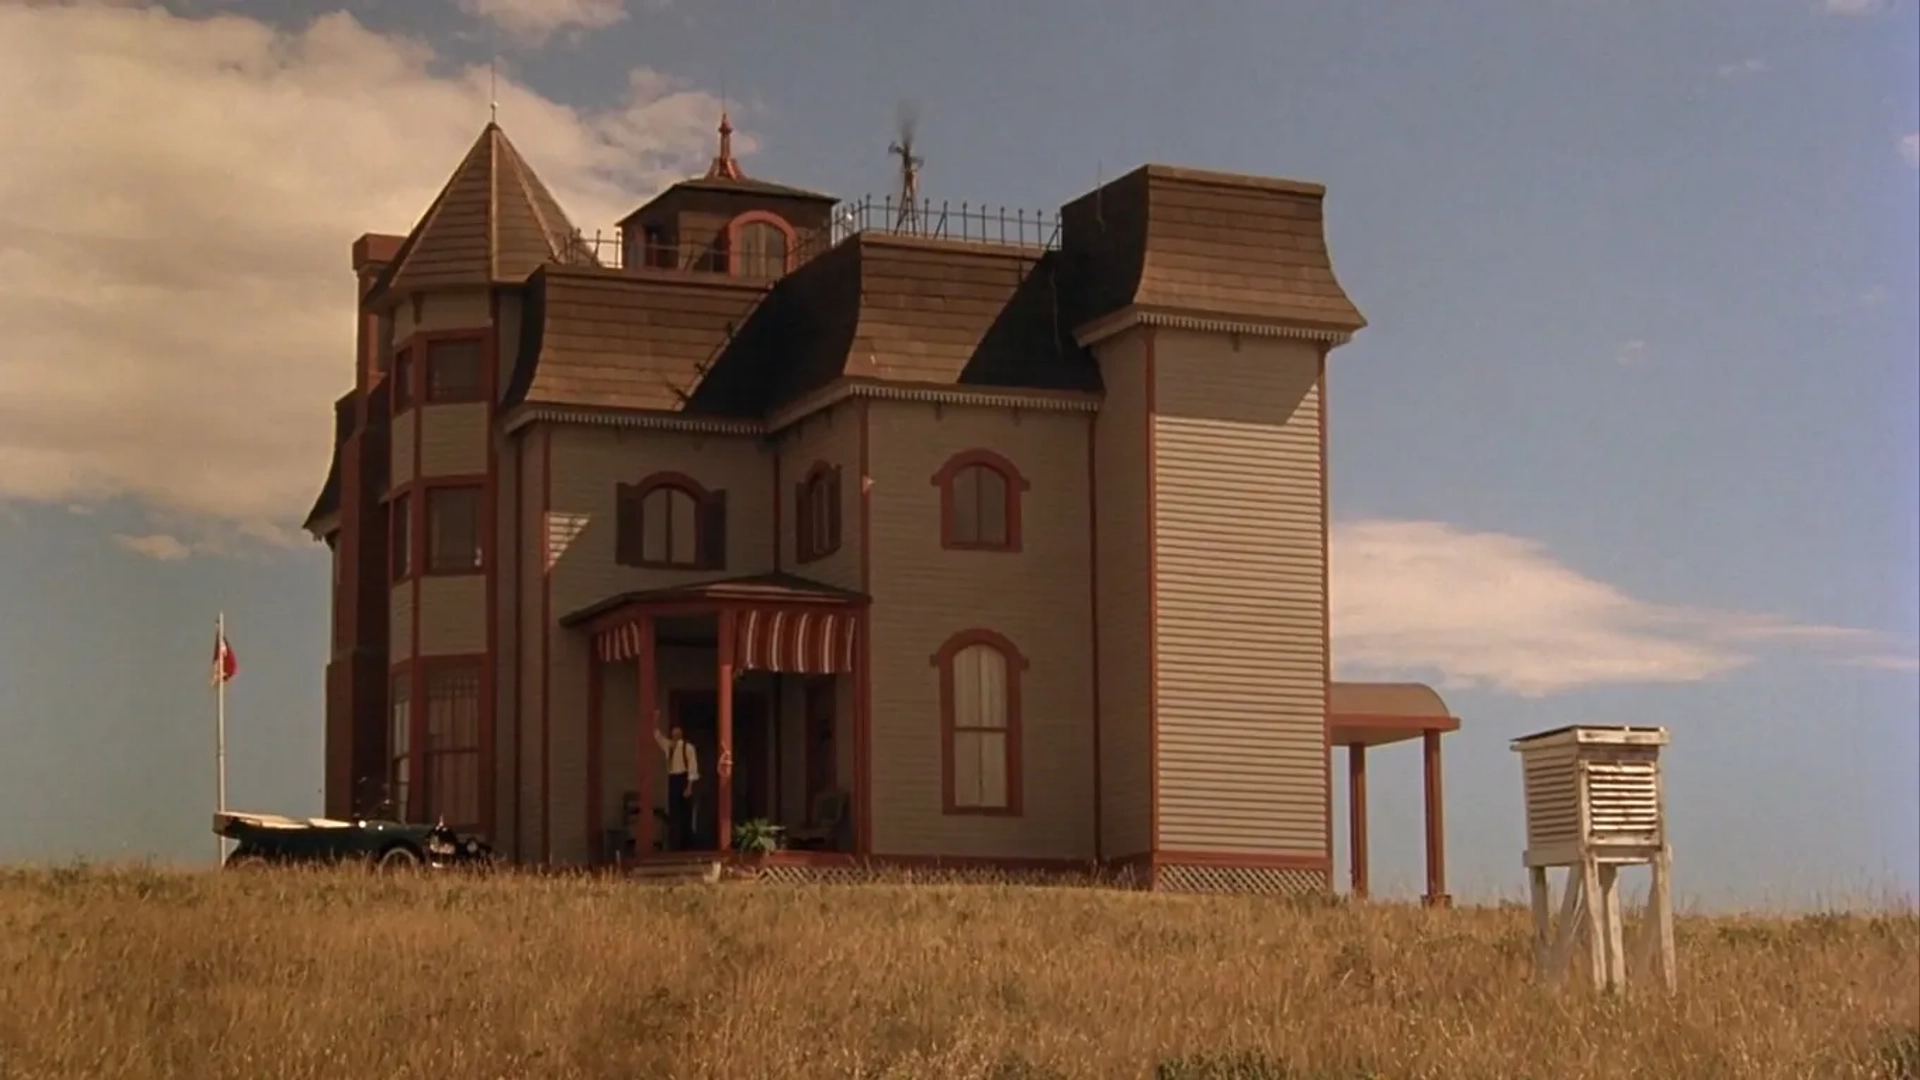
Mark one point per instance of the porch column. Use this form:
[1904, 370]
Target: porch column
[647, 718]
[1357, 814]
[596, 756]
[723, 768]
[862, 734]
[1436, 826]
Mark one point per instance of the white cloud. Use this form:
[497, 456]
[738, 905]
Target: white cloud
[1752, 65]
[1428, 600]
[1630, 353]
[532, 22]
[1853, 8]
[1909, 147]
[176, 210]
[158, 546]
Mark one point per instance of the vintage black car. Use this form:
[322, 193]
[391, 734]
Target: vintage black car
[269, 839]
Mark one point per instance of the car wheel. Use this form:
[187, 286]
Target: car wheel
[246, 859]
[398, 857]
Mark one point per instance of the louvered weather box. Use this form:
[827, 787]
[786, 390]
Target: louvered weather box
[1594, 804]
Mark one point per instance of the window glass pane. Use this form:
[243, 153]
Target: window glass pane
[399, 515]
[682, 523]
[453, 529]
[967, 778]
[762, 251]
[655, 515]
[993, 504]
[993, 768]
[966, 687]
[454, 371]
[403, 379]
[992, 692]
[966, 506]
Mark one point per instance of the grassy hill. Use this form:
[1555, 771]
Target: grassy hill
[288, 976]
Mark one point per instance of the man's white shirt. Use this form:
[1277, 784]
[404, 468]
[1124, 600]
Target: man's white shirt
[680, 757]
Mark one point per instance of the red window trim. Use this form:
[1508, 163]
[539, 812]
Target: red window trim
[415, 676]
[476, 667]
[410, 392]
[1016, 661]
[405, 374]
[1016, 485]
[392, 781]
[750, 217]
[803, 549]
[414, 495]
[630, 552]
[400, 508]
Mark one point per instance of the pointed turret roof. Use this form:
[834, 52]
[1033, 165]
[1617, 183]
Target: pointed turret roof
[494, 222]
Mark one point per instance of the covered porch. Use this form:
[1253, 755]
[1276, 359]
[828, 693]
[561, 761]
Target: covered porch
[763, 675]
[1361, 716]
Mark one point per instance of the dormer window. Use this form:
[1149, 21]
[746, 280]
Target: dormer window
[761, 245]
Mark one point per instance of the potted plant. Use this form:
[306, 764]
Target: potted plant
[755, 840]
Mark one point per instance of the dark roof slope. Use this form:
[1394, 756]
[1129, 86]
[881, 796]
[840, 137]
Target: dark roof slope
[494, 222]
[1208, 244]
[328, 502]
[902, 309]
[748, 185]
[637, 339]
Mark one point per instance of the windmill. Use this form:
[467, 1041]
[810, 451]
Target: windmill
[908, 217]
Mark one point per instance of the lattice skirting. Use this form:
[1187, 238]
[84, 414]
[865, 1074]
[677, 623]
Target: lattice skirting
[1246, 880]
[790, 874]
[1172, 878]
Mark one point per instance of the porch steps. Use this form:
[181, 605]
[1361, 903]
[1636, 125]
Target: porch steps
[691, 870]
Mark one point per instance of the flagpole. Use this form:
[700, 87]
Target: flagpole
[220, 723]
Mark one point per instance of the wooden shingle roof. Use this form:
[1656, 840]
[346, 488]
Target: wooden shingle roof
[493, 223]
[637, 339]
[1208, 244]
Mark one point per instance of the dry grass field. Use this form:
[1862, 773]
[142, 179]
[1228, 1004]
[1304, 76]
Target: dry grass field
[291, 975]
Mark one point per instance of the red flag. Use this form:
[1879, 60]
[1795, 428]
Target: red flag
[225, 664]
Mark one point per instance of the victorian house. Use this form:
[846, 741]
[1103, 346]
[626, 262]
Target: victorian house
[948, 539]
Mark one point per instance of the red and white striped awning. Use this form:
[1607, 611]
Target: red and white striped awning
[796, 642]
[618, 644]
[788, 642]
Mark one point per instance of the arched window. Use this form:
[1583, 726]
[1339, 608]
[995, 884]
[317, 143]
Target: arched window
[980, 502]
[979, 674]
[668, 521]
[760, 243]
[816, 518]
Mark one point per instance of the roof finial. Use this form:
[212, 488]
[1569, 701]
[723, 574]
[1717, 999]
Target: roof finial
[724, 167]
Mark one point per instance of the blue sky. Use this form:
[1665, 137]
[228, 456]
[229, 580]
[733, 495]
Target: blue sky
[1631, 438]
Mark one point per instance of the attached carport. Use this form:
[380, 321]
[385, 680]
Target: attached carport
[1365, 715]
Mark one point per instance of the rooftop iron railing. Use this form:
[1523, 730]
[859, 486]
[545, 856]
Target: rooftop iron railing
[888, 216]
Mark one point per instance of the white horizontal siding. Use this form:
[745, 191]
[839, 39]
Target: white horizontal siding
[1240, 607]
[453, 439]
[453, 615]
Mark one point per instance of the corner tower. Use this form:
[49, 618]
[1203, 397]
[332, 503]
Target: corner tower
[1211, 304]
[411, 505]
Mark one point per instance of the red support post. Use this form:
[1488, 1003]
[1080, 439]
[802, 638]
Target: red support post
[723, 768]
[596, 760]
[647, 706]
[1436, 826]
[1357, 815]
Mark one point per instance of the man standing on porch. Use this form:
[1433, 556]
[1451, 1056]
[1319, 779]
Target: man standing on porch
[683, 771]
